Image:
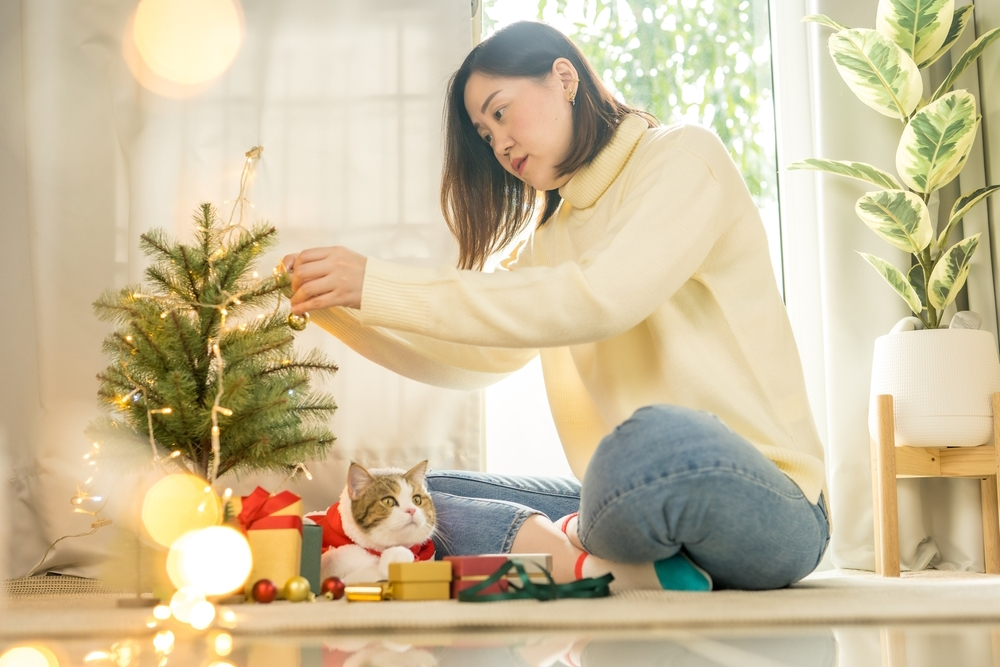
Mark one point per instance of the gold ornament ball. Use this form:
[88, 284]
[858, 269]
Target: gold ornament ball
[296, 589]
[298, 322]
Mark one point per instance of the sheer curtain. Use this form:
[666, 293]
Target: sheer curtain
[346, 99]
[839, 305]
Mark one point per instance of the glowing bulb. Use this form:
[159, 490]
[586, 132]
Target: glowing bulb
[215, 430]
[223, 643]
[188, 41]
[228, 618]
[224, 312]
[210, 561]
[225, 411]
[183, 602]
[163, 642]
[170, 508]
[161, 612]
[94, 656]
[256, 275]
[28, 656]
[202, 615]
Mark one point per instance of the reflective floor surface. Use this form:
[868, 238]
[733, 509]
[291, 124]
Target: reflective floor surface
[905, 646]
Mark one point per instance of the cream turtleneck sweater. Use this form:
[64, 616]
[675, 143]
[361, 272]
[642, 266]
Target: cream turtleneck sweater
[652, 283]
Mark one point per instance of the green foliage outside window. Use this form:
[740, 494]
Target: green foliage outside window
[702, 61]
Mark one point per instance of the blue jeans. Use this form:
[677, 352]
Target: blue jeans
[668, 478]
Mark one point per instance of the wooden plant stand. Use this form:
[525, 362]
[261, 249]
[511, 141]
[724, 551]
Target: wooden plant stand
[890, 462]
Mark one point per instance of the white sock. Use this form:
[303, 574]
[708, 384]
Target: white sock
[628, 576]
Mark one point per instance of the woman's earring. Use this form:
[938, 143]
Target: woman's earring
[572, 95]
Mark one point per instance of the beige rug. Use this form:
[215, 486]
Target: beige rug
[828, 598]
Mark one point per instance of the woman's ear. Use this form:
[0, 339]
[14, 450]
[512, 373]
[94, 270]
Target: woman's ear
[566, 74]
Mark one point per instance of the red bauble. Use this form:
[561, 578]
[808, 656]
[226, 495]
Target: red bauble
[332, 588]
[264, 591]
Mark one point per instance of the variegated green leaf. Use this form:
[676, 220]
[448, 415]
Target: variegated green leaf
[936, 142]
[880, 73]
[963, 206]
[959, 20]
[916, 279]
[919, 27]
[949, 274]
[824, 20]
[896, 280]
[899, 217]
[967, 59]
[858, 170]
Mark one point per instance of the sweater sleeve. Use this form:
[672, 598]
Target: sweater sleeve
[427, 360]
[669, 219]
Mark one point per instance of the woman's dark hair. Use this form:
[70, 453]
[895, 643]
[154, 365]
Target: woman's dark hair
[484, 204]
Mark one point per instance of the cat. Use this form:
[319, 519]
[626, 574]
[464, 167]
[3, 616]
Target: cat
[383, 516]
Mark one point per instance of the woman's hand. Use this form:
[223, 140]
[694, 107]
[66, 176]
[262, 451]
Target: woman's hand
[326, 277]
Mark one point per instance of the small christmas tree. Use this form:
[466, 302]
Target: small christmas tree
[203, 372]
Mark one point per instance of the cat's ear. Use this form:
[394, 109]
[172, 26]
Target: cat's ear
[416, 474]
[358, 480]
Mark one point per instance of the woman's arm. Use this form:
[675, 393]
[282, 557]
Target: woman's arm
[435, 362]
[672, 214]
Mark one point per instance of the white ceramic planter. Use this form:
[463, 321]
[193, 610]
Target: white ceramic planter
[941, 381]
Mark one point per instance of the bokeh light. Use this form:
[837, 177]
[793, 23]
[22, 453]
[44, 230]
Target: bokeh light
[213, 561]
[28, 656]
[163, 642]
[183, 602]
[188, 41]
[178, 504]
[177, 48]
[223, 644]
[202, 614]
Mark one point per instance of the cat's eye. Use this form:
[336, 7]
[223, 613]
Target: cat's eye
[417, 500]
[389, 501]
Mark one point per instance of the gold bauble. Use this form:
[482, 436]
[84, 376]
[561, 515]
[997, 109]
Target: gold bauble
[298, 322]
[296, 589]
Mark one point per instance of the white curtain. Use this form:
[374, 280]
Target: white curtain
[346, 99]
[839, 305]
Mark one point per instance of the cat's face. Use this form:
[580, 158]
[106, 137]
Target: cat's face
[392, 509]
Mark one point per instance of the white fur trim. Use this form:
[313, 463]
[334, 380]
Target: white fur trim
[341, 562]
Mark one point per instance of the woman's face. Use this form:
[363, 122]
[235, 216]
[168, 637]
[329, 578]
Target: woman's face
[527, 123]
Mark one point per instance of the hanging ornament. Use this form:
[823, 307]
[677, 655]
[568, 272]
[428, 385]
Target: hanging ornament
[332, 588]
[298, 322]
[264, 591]
[296, 589]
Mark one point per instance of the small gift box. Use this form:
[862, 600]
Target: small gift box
[471, 570]
[422, 580]
[468, 571]
[312, 553]
[273, 525]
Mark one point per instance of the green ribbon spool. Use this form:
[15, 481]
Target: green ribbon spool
[590, 587]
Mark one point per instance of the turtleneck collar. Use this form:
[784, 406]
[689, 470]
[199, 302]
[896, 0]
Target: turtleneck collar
[594, 178]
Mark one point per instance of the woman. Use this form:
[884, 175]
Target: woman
[647, 289]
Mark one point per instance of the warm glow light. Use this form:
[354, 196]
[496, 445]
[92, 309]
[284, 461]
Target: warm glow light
[163, 642]
[212, 561]
[161, 612]
[28, 656]
[202, 615]
[170, 508]
[183, 602]
[223, 643]
[188, 41]
[227, 618]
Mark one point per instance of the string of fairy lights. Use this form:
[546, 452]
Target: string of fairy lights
[171, 304]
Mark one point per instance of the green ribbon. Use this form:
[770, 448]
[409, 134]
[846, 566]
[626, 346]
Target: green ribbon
[589, 587]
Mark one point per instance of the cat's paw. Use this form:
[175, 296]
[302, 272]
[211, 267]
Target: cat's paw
[393, 555]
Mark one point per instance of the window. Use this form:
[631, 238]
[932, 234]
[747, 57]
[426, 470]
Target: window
[700, 61]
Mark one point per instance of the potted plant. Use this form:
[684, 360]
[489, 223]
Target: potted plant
[882, 67]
